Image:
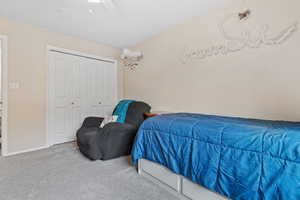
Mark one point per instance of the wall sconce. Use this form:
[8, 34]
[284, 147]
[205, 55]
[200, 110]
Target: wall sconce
[131, 59]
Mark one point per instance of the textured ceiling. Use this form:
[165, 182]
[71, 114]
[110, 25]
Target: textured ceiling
[126, 24]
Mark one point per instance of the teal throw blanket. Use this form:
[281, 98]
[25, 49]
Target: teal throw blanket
[121, 110]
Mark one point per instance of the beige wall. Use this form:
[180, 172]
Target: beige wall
[27, 64]
[259, 83]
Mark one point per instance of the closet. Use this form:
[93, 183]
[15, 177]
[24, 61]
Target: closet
[79, 86]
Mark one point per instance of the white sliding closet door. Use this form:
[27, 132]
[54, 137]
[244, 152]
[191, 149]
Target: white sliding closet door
[110, 88]
[63, 106]
[95, 90]
[78, 87]
[99, 79]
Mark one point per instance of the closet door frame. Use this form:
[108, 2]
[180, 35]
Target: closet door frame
[50, 49]
[4, 79]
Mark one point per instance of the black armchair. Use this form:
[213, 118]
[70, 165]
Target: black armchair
[114, 139]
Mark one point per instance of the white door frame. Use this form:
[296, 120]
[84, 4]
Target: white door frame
[4, 79]
[70, 52]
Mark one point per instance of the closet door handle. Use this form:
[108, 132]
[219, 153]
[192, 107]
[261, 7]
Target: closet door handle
[100, 103]
[72, 103]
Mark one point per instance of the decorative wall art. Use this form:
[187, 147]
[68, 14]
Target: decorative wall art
[250, 38]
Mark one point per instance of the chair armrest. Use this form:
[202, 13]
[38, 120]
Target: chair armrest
[92, 122]
[116, 139]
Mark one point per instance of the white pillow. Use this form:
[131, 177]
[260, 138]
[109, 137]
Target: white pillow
[108, 119]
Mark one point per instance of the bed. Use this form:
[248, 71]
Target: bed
[238, 158]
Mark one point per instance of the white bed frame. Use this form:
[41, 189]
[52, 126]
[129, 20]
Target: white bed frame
[174, 183]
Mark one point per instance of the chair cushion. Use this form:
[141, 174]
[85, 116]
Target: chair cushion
[116, 140]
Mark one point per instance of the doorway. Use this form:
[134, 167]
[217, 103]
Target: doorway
[3, 95]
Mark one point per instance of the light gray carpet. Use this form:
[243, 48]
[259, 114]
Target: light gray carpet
[62, 173]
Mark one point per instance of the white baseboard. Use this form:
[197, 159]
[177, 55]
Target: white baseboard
[26, 151]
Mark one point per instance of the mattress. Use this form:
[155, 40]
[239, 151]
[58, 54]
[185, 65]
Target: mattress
[239, 158]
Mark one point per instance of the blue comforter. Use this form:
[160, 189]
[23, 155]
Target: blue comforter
[243, 159]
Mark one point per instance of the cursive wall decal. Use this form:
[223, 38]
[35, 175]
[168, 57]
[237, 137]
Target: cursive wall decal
[247, 39]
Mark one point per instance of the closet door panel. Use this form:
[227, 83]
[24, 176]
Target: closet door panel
[108, 110]
[84, 81]
[95, 88]
[110, 85]
[60, 90]
[76, 96]
[76, 122]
